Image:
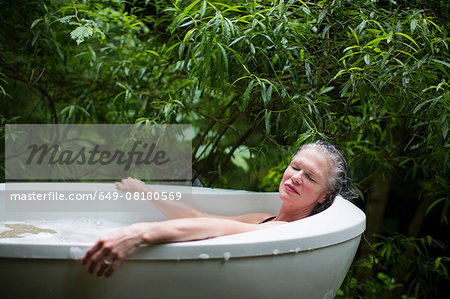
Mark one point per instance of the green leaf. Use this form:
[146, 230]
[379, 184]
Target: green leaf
[203, 9]
[418, 107]
[308, 71]
[266, 94]
[35, 23]
[306, 11]
[413, 25]
[434, 203]
[437, 262]
[35, 38]
[385, 59]
[224, 56]
[322, 15]
[281, 9]
[267, 116]
[326, 89]
[190, 7]
[152, 52]
[408, 37]
[389, 36]
[80, 33]
[442, 62]
[443, 123]
[246, 95]
[226, 31]
[181, 50]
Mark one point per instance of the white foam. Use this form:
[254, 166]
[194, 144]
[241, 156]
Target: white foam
[203, 256]
[227, 255]
[85, 230]
[76, 253]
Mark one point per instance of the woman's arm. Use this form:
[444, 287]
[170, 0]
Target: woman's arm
[118, 245]
[171, 209]
[175, 209]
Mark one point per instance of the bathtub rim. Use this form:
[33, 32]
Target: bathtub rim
[341, 222]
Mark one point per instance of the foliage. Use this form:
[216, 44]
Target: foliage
[397, 267]
[256, 79]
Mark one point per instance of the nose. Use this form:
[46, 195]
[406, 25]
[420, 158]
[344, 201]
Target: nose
[297, 177]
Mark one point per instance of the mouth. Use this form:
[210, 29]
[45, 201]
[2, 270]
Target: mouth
[291, 188]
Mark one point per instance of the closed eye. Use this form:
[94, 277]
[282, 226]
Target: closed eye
[310, 178]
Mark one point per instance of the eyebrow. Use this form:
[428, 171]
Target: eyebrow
[310, 171]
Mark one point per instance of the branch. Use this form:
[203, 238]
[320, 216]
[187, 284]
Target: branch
[194, 152]
[40, 89]
[76, 12]
[219, 136]
[230, 154]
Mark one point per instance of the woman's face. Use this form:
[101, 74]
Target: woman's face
[304, 182]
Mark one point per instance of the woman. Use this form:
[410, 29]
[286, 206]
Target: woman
[318, 171]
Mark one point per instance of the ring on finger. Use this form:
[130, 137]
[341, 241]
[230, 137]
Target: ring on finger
[107, 262]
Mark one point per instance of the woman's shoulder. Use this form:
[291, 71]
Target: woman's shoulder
[255, 218]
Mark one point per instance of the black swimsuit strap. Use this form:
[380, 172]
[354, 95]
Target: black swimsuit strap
[268, 219]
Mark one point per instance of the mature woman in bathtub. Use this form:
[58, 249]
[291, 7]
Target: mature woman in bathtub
[317, 172]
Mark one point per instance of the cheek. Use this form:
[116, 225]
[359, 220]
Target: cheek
[308, 187]
[286, 175]
[312, 189]
[317, 192]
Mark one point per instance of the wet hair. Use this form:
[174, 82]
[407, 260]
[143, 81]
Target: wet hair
[339, 181]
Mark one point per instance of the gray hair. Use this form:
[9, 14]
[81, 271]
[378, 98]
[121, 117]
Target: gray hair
[339, 181]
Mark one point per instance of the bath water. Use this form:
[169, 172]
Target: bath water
[63, 231]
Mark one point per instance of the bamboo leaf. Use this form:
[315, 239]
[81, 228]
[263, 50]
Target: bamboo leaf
[224, 56]
[35, 22]
[367, 59]
[389, 36]
[190, 7]
[433, 204]
[181, 50]
[267, 116]
[408, 37]
[203, 9]
[322, 15]
[246, 95]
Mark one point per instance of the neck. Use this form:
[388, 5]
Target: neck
[289, 213]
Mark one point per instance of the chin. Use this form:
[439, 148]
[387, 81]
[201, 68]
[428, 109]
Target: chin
[288, 200]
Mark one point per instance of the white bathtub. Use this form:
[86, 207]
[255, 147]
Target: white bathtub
[307, 258]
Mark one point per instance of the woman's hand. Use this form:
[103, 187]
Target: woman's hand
[107, 254]
[132, 185]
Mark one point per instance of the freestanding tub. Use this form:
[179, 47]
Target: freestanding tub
[308, 258]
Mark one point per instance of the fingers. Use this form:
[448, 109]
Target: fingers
[107, 254]
[90, 252]
[107, 267]
[124, 184]
[100, 260]
[112, 268]
[119, 186]
[131, 185]
[95, 257]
